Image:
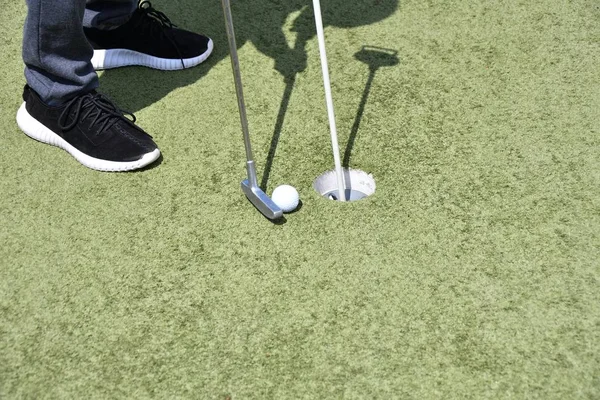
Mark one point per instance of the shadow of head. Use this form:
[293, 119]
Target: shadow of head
[261, 22]
[351, 14]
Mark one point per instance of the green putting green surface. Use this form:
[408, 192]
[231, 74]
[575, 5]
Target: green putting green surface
[472, 272]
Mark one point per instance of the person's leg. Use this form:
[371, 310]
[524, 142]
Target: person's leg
[56, 52]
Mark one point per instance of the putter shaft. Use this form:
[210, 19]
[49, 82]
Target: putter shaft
[253, 192]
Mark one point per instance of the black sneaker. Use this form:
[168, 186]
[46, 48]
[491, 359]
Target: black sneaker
[148, 39]
[91, 128]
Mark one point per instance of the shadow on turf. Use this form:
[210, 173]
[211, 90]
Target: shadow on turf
[256, 21]
[375, 58]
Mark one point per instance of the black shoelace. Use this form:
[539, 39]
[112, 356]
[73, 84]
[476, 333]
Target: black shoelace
[92, 105]
[159, 23]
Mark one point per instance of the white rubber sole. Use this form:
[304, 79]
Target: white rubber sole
[36, 130]
[115, 58]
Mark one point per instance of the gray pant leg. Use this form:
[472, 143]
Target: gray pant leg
[107, 14]
[56, 53]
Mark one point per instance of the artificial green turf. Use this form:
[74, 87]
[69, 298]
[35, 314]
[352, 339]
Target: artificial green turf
[473, 272]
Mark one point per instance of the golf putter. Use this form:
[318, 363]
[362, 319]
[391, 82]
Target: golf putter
[250, 187]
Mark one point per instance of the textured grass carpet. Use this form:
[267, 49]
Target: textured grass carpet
[472, 272]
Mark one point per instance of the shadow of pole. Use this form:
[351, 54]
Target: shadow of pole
[375, 58]
[357, 120]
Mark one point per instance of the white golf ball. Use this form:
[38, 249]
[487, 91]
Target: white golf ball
[286, 197]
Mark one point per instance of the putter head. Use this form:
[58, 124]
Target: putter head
[261, 201]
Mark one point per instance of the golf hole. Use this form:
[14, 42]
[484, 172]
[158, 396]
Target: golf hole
[357, 185]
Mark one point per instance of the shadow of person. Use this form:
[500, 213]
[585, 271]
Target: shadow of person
[260, 22]
[290, 61]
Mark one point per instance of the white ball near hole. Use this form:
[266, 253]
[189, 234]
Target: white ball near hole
[286, 197]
